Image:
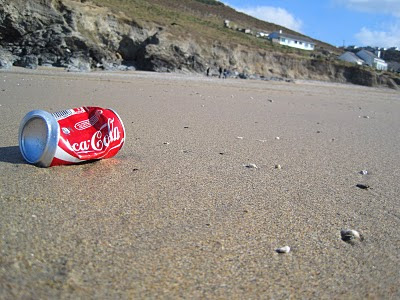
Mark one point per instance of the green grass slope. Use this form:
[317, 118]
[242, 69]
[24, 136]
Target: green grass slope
[203, 20]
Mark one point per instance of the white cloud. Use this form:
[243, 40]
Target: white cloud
[391, 7]
[274, 15]
[389, 38]
[386, 35]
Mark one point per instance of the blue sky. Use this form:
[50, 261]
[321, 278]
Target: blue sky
[338, 22]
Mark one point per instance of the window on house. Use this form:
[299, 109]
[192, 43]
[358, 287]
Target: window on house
[283, 40]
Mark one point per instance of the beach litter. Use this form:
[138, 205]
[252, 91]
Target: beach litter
[70, 136]
[285, 249]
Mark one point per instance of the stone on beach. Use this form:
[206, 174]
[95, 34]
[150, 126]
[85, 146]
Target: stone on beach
[363, 186]
[350, 235]
[251, 166]
[285, 249]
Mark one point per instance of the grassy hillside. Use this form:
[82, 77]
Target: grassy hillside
[202, 20]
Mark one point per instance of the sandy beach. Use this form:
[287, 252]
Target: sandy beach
[178, 215]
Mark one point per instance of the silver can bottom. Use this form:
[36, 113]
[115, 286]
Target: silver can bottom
[38, 137]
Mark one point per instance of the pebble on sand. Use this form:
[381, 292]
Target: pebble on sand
[350, 235]
[363, 172]
[251, 166]
[363, 186]
[278, 167]
[240, 138]
[277, 138]
[285, 249]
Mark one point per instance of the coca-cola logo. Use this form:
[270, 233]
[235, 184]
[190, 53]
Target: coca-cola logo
[100, 140]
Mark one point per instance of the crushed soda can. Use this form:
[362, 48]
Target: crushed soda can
[70, 136]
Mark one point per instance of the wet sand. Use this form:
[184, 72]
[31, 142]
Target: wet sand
[177, 215]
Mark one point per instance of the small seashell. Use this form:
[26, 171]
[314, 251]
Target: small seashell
[251, 166]
[349, 235]
[240, 137]
[364, 172]
[285, 249]
[278, 167]
[366, 117]
[277, 138]
[262, 141]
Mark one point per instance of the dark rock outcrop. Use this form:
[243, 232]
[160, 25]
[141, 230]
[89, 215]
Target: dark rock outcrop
[6, 59]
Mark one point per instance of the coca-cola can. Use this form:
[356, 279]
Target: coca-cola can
[70, 136]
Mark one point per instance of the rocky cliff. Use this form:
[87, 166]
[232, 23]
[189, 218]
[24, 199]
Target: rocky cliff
[81, 35]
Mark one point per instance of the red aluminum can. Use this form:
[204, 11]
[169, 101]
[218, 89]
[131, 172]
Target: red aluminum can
[70, 136]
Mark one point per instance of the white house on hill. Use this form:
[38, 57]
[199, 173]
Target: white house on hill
[292, 40]
[351, 57]
[372, 60]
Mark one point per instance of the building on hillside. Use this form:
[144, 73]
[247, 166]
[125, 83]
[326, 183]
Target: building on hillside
[261, 34]
[292, 40]
[351, 57]
[372, 60]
